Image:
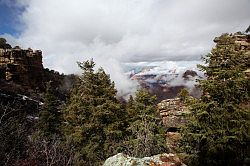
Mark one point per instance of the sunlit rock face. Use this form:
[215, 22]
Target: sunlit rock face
[165, 79]
[21, 66]
[158, 160]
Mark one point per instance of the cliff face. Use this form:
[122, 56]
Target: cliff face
[22, 66]
[22, 72]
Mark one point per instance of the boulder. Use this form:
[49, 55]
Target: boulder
[157, 160]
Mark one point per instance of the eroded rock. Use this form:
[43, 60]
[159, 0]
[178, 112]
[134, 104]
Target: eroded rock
[21, 66]
[172, 112]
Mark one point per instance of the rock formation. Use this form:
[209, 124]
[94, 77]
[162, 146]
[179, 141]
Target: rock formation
[242, 40]
[21, 66]
[157, 160]
[189, 74]
[172, 112]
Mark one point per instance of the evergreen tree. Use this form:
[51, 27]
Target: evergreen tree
[94, 117]
[50, 117]
[145, 133]
[183, 95]
[248, 29]
[218, 132]
[4, 44]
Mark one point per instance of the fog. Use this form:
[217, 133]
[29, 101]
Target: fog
[113, 32]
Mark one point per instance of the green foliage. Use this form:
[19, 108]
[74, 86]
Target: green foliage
[248, 29]
[91, 127]
[218, 132]
[183, 95]
[145, 133]
[4, 44]
[3, 41]
[94, 118]
[47, 145]
[50, 117]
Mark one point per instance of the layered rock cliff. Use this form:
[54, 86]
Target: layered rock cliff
[172, 112]
[22, 66]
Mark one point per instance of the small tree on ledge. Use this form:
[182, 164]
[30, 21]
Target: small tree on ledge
[146, 135]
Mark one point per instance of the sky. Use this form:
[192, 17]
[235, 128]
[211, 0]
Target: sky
[8, 17]
[113, 32]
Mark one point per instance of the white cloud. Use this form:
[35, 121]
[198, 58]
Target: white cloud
[114, 31]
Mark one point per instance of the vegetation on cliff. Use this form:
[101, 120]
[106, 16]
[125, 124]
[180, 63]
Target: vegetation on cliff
[218, 132]
[93, 117]
[4, 44]
[146, 136]
[90, 124]
[50, 117]
[98, 126]
[90, 127]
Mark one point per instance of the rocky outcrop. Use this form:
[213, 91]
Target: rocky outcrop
[172, 112]
[157, 160]
[21, 66]
[242, 43]
[189, 74]
[242, 40]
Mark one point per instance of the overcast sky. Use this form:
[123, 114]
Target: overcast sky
[115, 31]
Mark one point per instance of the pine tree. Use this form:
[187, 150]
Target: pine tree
[218, 132]
[183, 95]
[50, 117]
[4, 44]
[145, 133]
[94, 117]
[248, 29]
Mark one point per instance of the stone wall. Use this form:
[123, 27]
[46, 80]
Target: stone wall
[21, 66]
